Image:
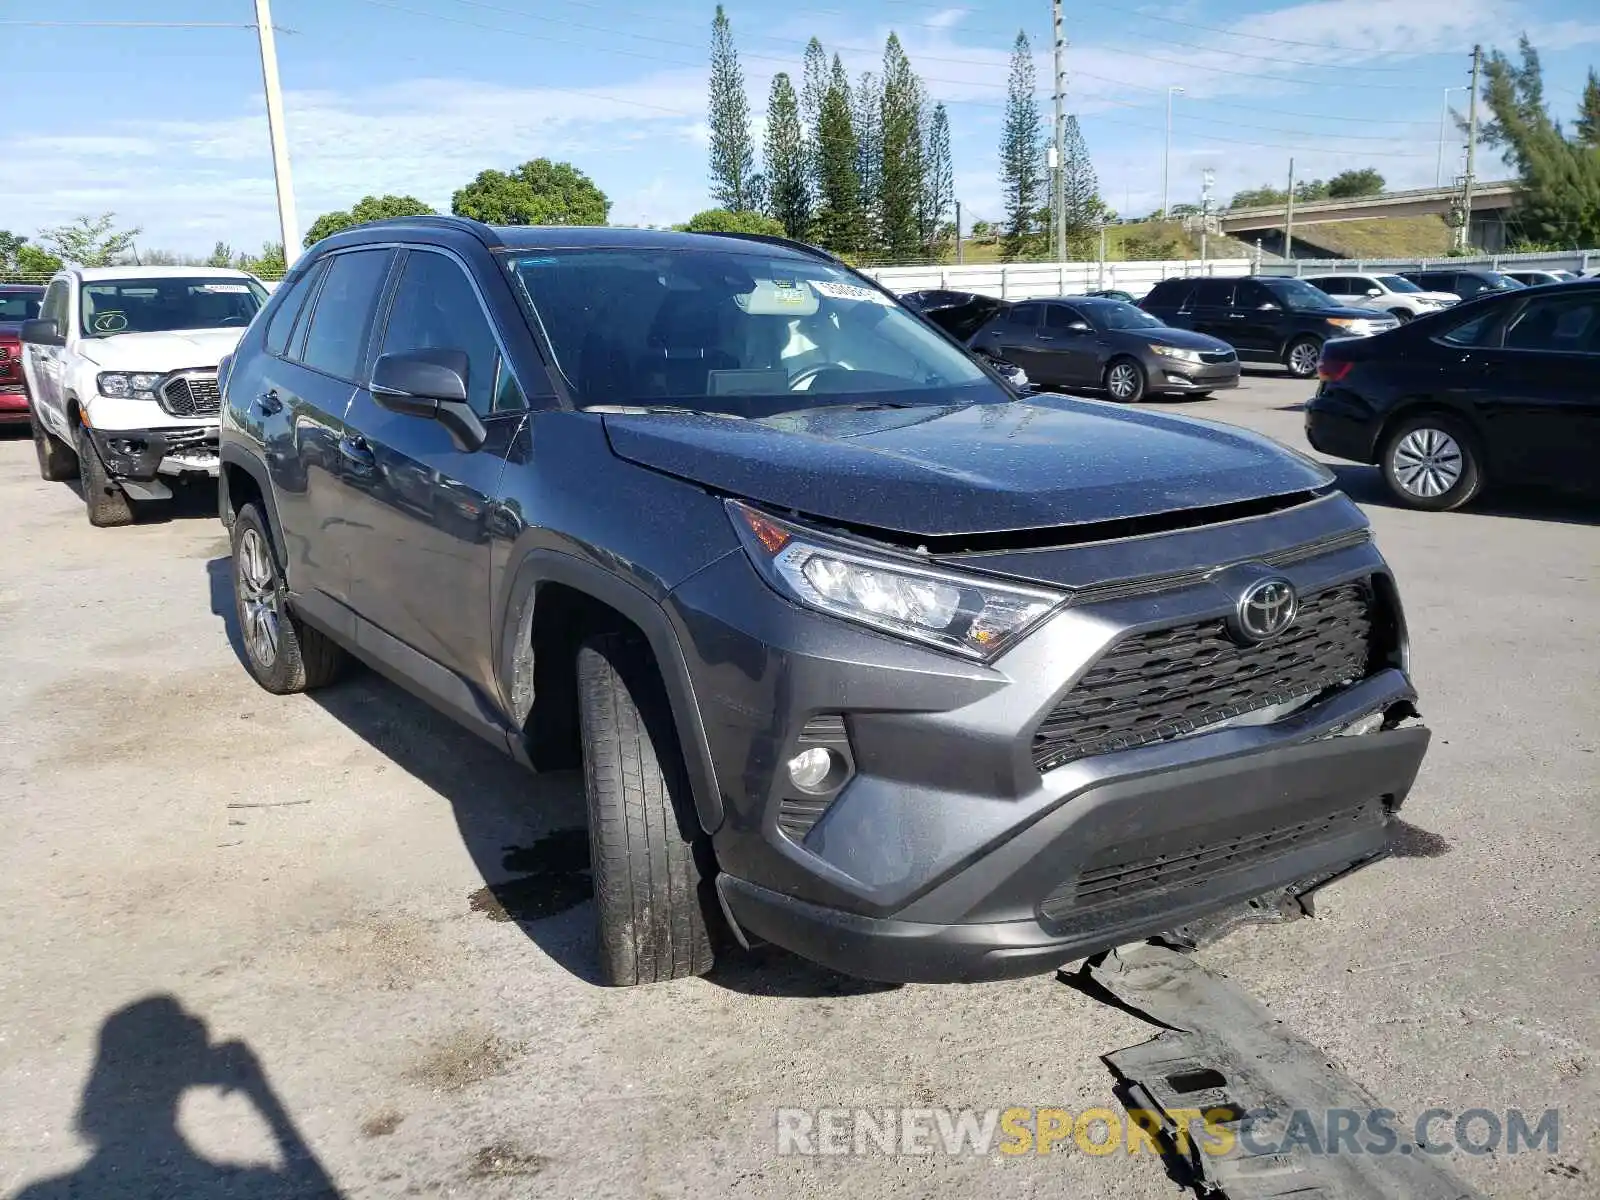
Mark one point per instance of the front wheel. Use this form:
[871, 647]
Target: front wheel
[642, 825]
[1431, 462]
[107, 503]
[1302, 356]
[1125, 381]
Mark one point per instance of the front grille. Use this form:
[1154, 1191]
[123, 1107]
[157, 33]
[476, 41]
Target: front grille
[1151, 687]
[5, 353]
[191, 395]
[1103, 882]
[1217, 356]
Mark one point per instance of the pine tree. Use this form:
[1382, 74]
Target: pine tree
[732, 153]
[788, 188]
[938, 180]
[866, 116]
[1021, 141]
[838, 224]
[900, 181]
[813, 87]
[1080, 192]
[1588, 126]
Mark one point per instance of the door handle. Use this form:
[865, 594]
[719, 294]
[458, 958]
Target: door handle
[1235, 316]
[269, 403]
[353, 448]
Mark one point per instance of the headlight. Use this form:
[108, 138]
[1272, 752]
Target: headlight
[127, 387]
[973, 617]
[1188, 356]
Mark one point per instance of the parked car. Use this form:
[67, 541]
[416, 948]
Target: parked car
[19, 302]
[1081, 342]
[1464, 282]
[1394, 294]
[1113, 294]
[1265, 318]
[861, 653]
[1502, 389]
[121, 365]
[961, 314]
[1535, 278]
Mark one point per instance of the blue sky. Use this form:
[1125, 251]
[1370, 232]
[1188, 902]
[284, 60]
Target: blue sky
[167, 128]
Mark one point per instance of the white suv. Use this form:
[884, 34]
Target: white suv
[1388, 293]
[121, 368]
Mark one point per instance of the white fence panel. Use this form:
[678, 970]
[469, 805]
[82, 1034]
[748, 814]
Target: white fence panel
[1027, 281]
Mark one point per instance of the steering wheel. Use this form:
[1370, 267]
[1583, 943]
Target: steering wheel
[802, 379]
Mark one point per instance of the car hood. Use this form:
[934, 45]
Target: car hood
[1445, 297]
[1166, 335]
[984, 468]
[173, 351]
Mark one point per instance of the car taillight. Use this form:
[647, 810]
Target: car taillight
[1333, 370]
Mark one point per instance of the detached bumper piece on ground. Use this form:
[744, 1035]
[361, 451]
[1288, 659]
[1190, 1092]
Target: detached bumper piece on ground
[1224, 1050]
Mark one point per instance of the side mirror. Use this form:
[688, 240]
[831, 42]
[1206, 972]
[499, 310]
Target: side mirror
[1374, 292]
[40, 332]
[430, 384]
[1267, 306]
[1080, 327]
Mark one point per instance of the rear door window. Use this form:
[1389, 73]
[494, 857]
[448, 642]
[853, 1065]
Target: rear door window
[1476, 333]
[336, 339]
[1025, 316]
[1567, 324]
[1059, 317]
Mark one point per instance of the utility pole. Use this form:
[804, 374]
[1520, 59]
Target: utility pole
[1166, 157]
[958, 233]
[1207, 177]
[1058, 181]
[1288, 218]
[1464, 233]
[288, 225]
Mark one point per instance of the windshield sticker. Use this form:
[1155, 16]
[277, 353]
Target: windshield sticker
[850, 291]
[230, 288]
[110, 322]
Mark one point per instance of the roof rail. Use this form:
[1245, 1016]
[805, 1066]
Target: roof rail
[773, 239]
[484, 233]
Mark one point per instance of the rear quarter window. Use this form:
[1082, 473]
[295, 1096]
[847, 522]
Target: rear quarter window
[1169, 293]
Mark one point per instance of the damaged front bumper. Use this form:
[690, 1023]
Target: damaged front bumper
[140, 455]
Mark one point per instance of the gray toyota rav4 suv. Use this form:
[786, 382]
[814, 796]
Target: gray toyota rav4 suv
[861, 653]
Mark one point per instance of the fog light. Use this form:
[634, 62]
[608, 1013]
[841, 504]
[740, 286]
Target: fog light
[809, 770]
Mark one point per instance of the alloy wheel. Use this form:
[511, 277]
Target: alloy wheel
[258, 595]
[1123, 381]
[1427, 462]
[1303, 358]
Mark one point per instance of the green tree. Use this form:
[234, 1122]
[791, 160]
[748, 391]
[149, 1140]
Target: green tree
[368, 208]
[269, 264]
[838, 224]
[89, 241]
[720, 220]
[788, 182]
[1310, 189]
[1558, 177]
[1021, 141]
[1265, 196]
[1588, 124]
[732, 151]
[866, 118]
[1080, 194]
[900, 183]
[19, 258]
[1363, 182]
[221, 255]
[539, 192]
[938, 183]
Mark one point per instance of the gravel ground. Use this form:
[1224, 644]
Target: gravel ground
[258, 946]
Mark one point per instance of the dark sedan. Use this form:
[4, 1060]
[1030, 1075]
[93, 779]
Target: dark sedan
[1502, 389]
[1085, 342]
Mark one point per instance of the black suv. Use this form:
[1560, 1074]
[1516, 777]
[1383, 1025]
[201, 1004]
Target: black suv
[1467, 284]
[1266, 318]
[860, 652]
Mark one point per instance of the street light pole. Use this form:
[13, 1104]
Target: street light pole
[1166, 158]
[288, 224]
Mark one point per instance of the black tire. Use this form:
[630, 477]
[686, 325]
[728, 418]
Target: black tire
[1446, 443]
[1401, 314]
[642, 827]
[1301, 355]
[107, 503]
[1125, 380]
[57, 461]
[1198, 395]
[295, 657]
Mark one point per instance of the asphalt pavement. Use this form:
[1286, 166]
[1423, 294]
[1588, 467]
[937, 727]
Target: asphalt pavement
[260, 946]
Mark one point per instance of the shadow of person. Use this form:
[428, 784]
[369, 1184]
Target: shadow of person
[150, 1053]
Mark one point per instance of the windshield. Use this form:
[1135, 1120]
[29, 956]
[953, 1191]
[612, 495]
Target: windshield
[1398, 283]
[1300, 296]
[1118, 314]
[738, 332]
[19, 306]
[163, 304]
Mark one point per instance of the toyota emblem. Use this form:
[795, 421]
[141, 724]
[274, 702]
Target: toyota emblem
[1265, 610]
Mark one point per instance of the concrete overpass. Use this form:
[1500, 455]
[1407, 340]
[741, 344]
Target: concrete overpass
[1490, 201]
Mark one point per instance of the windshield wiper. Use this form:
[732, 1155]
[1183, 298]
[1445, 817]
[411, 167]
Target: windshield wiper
[640, 410]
